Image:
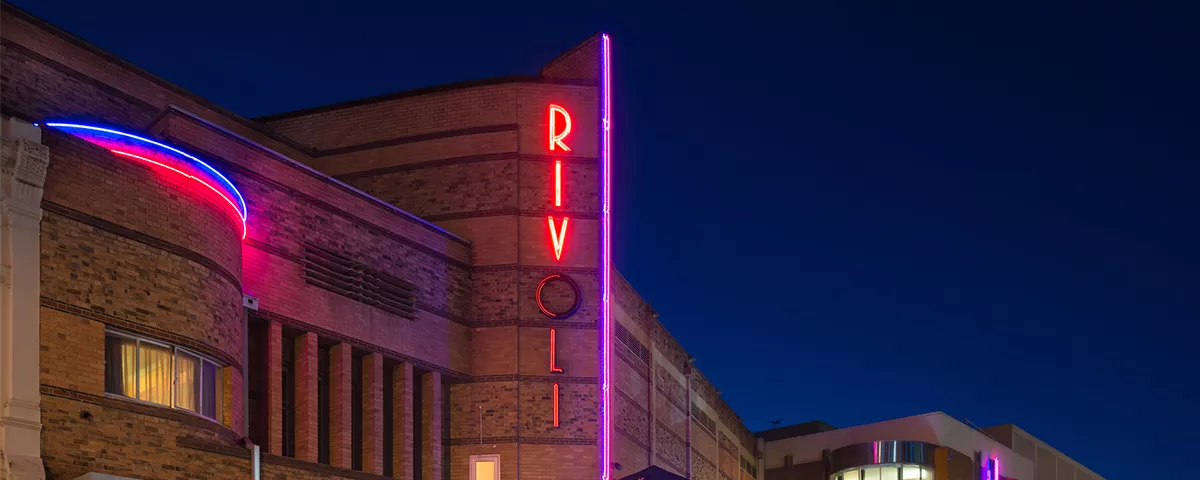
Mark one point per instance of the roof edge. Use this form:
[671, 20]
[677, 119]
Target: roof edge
[39, 22]
[415, 92]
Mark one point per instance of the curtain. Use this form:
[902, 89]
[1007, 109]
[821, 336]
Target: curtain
[187, 391]
[154, 373]
[120, 362]
[213, 381]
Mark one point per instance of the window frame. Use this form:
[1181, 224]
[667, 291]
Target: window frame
[495, 458]
[175, 350]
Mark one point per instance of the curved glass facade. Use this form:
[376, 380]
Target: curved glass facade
[885, 472]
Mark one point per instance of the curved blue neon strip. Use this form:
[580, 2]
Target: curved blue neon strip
[210, 169]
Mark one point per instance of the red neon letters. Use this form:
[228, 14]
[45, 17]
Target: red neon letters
[558, 236]
[555, 404]
[554, 368]
[556, 137]
[558, 183]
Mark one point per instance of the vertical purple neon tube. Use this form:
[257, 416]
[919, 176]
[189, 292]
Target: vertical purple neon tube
[605, 260]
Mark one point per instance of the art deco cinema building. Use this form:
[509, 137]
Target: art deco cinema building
[417, 285]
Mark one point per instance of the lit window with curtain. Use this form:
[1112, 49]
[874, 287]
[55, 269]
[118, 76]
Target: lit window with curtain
[885, 472]
[162, 374]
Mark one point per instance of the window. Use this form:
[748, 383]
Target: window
[485, 467]
[162, 374]
[749, 467]
[886, 472]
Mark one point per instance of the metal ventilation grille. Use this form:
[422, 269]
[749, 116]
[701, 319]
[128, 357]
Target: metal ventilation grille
[345, 277]
[703, 419]
[634, 345]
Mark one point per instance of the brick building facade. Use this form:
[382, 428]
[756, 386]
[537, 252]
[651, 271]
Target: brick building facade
[423, 289]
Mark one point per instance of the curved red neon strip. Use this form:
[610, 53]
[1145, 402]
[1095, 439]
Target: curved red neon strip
[537, 295]
[228, 200]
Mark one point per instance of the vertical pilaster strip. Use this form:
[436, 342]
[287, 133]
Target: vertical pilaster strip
[431, 425]
[402, 422]
[275, 388]
[24, 161]
[306, 397]
[340, 429]
[372, 417]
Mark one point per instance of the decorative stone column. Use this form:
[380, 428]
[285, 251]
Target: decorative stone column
[24, 160]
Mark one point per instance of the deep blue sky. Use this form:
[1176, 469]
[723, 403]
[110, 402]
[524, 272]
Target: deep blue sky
[848, 213]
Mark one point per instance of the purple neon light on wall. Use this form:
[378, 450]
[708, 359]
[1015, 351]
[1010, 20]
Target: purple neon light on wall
[605, 262]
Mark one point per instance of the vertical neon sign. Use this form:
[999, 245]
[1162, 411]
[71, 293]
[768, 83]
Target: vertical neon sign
[605, 255]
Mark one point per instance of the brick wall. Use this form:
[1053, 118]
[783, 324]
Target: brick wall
[140, 251]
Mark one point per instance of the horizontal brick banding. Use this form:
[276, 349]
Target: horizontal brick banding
[370, 347]
[387, 207]
[423, 91]
[512, 212]
[461, 132]
[637, 367]
[632, 438]
[143, 330]
[512, 267]
[524, 440]
[141, 408]
[123, 64]
[556, 324]
[727, 444]
[667, 396]
[697, 455]
[14, 47]
[328, 207]
[535, 378]
[443, 162]
[284, 254]
[319, 468]
[206, 446]
[142, 238]
[465, 159]
[701, 428]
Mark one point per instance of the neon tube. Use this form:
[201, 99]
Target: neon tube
[241, 202]
[554, 368]
[162, 155]
[555, 404]
[556, 139]
[605, 261]
[558, 237]
[198, 180]
[558, 183]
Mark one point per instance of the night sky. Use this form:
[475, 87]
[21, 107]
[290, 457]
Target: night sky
[848, 213]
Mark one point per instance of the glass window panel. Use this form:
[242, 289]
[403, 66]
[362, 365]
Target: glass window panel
[187, 387]
[212, 383]
[870, 473]
[485, 470]
[889, 472]
[155, 373]
[120, 366]
[926, 473]
[911, 472]
[850, 475]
